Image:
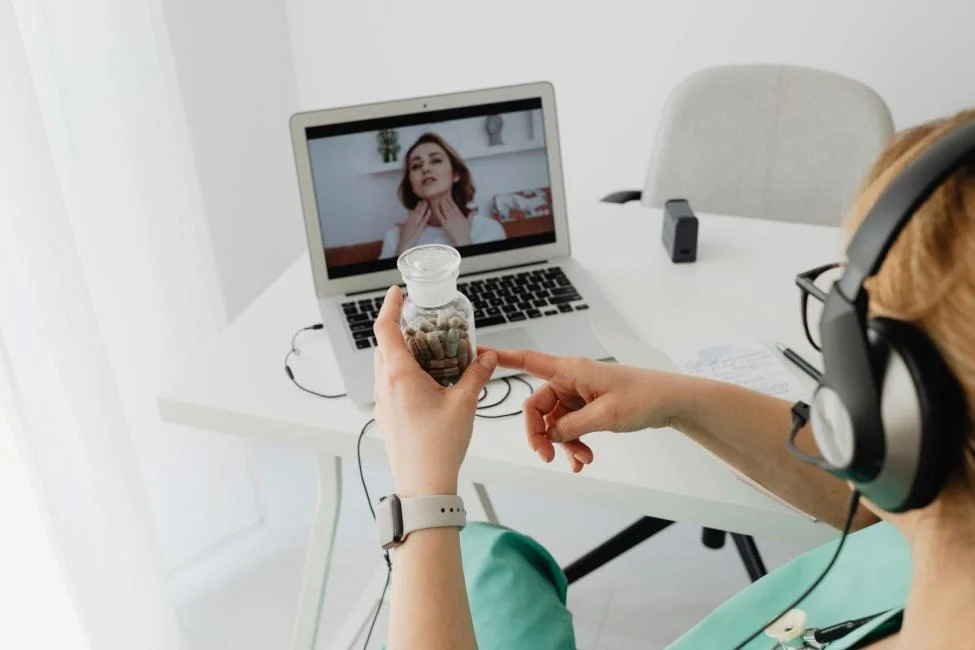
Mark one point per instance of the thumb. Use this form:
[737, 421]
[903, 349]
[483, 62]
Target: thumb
[576, 424]
[478, 374]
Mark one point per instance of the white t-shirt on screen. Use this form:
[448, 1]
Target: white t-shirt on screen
[482, 230]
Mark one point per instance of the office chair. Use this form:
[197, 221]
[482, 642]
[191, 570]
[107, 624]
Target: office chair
[767, 141]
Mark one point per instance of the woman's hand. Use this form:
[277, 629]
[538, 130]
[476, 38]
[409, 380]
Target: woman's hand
[415, 222]
[455, 223]
[427, 427]
[581, 396]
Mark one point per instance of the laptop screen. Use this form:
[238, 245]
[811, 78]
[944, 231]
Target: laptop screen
[474, 177]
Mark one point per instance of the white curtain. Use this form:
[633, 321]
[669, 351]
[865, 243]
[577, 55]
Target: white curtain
[107, 288]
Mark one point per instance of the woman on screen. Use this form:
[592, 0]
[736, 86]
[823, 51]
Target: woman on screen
[438, 191]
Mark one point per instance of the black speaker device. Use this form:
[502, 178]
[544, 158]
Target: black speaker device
[680, 231]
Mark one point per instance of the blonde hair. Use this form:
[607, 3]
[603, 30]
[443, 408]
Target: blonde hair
[928, 277]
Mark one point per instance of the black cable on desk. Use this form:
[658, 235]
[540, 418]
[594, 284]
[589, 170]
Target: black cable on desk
[296, 352]
[531, 389]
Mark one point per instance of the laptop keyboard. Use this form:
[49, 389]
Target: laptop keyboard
[510, 298]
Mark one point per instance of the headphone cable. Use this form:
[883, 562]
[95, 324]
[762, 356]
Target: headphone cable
[372, 511]
[854, 503]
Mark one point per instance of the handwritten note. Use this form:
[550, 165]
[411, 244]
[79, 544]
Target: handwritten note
[746, 362]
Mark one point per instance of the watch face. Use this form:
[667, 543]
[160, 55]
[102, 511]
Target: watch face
[389, 521]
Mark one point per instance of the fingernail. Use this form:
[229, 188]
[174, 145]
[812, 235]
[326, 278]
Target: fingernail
[488, 360]
[541, 455]
[582, 459]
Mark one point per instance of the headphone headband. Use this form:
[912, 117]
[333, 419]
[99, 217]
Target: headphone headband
[897, 205]
[872, 366]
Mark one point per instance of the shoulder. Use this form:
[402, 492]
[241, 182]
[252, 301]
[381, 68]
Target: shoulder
[390, 241]
[482, 227]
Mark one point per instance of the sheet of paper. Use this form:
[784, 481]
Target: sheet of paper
[747, 362]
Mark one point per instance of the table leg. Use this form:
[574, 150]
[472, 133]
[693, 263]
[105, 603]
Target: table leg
[319, 557]
[361, 615]
[478, 503]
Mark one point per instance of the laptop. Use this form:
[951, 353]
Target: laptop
[495, 153]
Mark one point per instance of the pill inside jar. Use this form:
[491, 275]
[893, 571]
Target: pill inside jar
[437, 320]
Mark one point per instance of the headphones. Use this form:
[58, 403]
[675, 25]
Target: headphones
[888, 414]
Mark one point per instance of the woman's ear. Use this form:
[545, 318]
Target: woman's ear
[456, 178]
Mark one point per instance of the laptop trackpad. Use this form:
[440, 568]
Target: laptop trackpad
[514, 339]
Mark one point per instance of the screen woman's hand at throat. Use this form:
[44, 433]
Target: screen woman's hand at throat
[455, 223]
[413, 227]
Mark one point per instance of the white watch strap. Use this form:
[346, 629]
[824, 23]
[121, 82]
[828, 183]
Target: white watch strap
[432, 512]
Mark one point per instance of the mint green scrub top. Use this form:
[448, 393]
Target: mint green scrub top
[517, 593]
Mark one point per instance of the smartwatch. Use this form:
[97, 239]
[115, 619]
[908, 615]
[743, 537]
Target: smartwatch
[396, 518]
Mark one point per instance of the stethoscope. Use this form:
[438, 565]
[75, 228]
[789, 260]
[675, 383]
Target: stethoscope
[790, 631]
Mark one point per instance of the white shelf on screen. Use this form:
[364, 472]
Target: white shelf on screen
[480, 152]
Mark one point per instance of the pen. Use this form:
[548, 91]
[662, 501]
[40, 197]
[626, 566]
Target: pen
[803, 365]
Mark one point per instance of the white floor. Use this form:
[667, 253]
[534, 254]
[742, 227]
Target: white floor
[244, 596]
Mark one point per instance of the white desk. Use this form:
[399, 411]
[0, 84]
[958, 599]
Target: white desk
[742, 283]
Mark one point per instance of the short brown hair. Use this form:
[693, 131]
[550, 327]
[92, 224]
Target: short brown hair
[928, 276]
[462, 191]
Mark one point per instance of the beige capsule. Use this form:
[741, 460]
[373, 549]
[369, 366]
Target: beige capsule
[435, 344]
[453, 340]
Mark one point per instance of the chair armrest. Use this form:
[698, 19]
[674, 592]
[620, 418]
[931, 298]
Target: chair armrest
[623, 196]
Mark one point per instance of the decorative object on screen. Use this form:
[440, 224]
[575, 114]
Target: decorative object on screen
[437, 320]
[523, 204]
[493, 125]
[388, 144]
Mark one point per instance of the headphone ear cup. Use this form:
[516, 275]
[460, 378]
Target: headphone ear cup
[934, 433]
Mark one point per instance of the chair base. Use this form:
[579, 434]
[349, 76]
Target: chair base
[645, 528]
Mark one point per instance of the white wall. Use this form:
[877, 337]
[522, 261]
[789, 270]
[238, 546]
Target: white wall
[106, 91]
[614, 62]
[357, 203]
[237, 80]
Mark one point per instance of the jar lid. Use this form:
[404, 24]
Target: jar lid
[429, 263]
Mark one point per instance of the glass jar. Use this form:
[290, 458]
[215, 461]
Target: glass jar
[437, 320]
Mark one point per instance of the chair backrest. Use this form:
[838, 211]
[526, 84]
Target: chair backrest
[768, 141]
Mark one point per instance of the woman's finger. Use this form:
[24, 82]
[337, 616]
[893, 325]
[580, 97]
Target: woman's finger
[574, 462]
[378, 372]
[535, 408]
[557, 412]
[540, 365]
[594, 416]
[387, 332]
[578, 453]
[579, 450]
